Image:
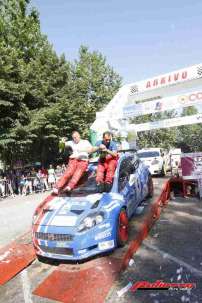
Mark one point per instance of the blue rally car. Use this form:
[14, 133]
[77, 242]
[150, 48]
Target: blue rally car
[87, 223]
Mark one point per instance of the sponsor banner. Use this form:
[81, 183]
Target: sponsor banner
[176, 77]
[187, 120]
[169, 103]
[192, 166]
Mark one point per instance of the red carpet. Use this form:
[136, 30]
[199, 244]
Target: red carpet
[86, 283]
[14, 258]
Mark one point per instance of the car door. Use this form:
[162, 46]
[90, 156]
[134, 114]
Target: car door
[137, 182]
[127, 184]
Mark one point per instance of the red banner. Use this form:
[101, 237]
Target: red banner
[191, 165]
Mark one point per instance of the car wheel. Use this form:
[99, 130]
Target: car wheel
[41, 259]
[150, 187]
[122, 228]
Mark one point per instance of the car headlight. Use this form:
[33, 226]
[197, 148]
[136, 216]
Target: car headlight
[99, 219]
[91, 221]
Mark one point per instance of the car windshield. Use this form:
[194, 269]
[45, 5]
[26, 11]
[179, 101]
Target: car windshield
[148, 154]
[86, 186]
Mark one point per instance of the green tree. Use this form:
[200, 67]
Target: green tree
[189, 136]
[31, 77]
[94, 80]
[164, 138]
[43, 96]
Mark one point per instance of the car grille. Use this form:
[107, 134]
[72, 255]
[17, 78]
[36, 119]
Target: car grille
[57, 250]
[53, 237]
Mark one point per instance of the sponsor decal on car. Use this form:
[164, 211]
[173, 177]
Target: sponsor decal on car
[104, 234]
[104, 225]
[62, 244]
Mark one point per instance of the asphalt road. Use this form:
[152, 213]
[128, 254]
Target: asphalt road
[16, 215]
[170, 253]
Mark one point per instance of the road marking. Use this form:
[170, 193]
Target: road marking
[26, 286]
[166, 255]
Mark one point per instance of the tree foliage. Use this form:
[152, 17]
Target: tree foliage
[165, 138]
[44, 96]
[186, 137]
[189, 136]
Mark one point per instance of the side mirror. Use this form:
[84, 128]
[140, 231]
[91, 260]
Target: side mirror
[136, 164]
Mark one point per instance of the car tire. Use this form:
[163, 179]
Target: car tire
[122, 228]
[150, 187]
[41, 259]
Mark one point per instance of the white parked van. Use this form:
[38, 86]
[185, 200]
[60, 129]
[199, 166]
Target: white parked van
[174, 159]
[153, 158]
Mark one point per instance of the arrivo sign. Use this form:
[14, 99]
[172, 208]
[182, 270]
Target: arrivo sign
[168, 79]
[124, 104]
[174, 78]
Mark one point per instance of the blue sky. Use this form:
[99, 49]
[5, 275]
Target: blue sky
[140, 39]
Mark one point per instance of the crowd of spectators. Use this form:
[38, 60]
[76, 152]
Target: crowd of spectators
[29, 180]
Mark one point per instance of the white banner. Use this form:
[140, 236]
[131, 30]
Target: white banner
[187, 120]
[176, 77]
[161, 105]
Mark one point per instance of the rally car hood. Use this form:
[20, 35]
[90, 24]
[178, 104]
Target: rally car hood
[67, 211]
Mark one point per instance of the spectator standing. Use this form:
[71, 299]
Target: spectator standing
[9, 186]
[33, 175]
[44, 175]
[22, 185]
[58, 172]
[2, 186]
[51, 176]
[63, 168]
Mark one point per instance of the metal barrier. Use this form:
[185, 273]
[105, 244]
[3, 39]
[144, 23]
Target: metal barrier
[153, 215]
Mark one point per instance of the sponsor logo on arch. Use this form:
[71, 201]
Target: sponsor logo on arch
[193, 97]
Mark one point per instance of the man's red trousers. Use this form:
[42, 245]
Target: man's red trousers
[106, 170]
[73, 173]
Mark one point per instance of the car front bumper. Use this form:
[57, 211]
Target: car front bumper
[155, 169]
[84, 245]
